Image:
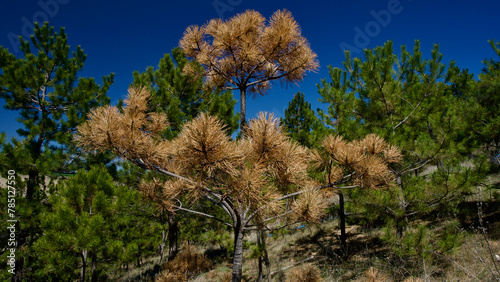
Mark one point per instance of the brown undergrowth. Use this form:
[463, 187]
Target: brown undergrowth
[186, 265]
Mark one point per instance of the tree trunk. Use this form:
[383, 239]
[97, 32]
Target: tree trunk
[32, 183]
[34, 173]
[138, 261]
[18, 276]
[259, 246]
[402, 221]
[343, 236]
[162, 245]
[94, 267]
[266, 257]
[263, 258]
[173, 232]
[84, 264]
[238, 254]
[243, 109]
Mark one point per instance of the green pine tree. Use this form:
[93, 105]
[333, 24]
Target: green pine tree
[301, 122]
[92, 223]
[341, 104]
[51, 99]
[44, 88]
[487, 121]
[411, 102]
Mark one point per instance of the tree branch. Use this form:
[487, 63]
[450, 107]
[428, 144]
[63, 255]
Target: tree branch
[330, 185]
[425, 161]
[204, 214]
[414, 109]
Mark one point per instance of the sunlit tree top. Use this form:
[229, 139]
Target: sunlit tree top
[245, 51]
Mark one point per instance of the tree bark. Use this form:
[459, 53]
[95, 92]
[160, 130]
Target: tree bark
[259, 245]
[34, 173]
[343, 236]
[401, 221]
[173, 232]
[84, 264]
[94, 267]
[162, 245]
[238, 254]
[264, 257]
[32, 183]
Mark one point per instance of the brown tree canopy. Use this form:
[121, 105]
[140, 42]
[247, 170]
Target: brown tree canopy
[253, 174]
[260, 181]
[364, 161]
[244, 53]
[204, 161]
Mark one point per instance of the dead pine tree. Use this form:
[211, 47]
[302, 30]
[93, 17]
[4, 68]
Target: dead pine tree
[246, 54]
[361, 164]
[251, 179]
[154, 194]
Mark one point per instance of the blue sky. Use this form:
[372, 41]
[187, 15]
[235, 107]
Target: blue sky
[123, 36]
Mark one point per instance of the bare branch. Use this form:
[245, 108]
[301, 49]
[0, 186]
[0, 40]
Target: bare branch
[411, 113]
[203, 214]
[424, 162]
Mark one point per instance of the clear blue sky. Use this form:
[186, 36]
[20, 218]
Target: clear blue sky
[123, 36]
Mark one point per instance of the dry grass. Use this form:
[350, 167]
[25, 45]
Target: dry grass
[370, 259]
[220, 274]
[375, 275]
[475, 260]
[305, 273]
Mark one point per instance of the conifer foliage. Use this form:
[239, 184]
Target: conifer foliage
[408, 101]
[245, 54]
[301, 122]
[44, 87]
[249, 179]
[92, 222]
[182, 96]
[486, 121]
[360, 164]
